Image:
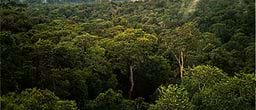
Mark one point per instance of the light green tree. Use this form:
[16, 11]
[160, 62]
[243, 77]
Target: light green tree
[201, 77]
[35, 99]
[233, 93]
[172, 97]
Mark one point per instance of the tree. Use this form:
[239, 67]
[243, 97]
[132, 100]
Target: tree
[224, 60]
[152, 72]
[14, 67]
[200, 77]
[128, 49]
[35, 99]
[110, 100]
[172, 97]
[221, 31]
[237, 46]
[236, 93]
[188, 46]
[182, 42]
[113, 100]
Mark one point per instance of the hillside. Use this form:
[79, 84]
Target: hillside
[124, 55]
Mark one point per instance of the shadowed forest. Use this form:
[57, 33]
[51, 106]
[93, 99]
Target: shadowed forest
[127, 55]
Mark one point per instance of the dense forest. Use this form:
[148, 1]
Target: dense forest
[127, 55]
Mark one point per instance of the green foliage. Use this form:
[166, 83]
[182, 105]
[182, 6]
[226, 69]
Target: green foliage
[13, 68]
[35, 99]
[131, 45]
[153, 72]
[181, 38]
[111, 100]
[172, 97]
[233, 93]
[79, 51]
[129, 49]
[200, 77]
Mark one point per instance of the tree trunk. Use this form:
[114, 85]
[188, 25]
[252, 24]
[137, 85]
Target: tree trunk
[180, 62]
[181, 58]
[131, 81]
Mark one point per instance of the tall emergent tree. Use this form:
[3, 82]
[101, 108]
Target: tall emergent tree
[128, 49]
